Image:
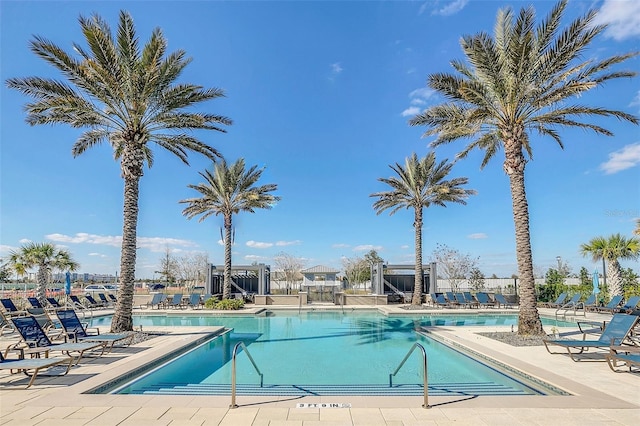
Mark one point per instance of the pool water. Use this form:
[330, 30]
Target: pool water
[320, 352]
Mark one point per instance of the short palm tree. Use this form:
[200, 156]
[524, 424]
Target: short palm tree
[612, 249]
[420, 184]
[126, 97]
[229, 190]
[516, 83]
[46, 257]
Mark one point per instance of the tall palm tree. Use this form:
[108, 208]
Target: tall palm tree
[418, 185]
[612, 249]
[519, 82]
[127, 97]
[46, 257]
[229, 190]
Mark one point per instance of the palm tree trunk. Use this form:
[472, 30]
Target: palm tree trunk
[226, 288]
[122, 317]
[529, 318]
[41, 289]
[417, 287]
[614, 278]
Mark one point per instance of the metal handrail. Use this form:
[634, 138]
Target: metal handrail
[424, 371]
[233, 371]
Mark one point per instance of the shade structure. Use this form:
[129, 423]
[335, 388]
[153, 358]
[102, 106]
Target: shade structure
[596, 282]
[67, 283]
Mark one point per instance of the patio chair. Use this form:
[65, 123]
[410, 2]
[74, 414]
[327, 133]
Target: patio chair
[103, 299]
[484, 301]
[175, 301]
[451, 298]
[113, 298]
[611, 306]
[502, 301]
[78, 332]
[615, 332]
[460, 300]
[194, 300]
[590, 303]
[33, 336]
[156, 300]
[11, 309]
[441, 301]
[35, 303]
[559, 302]
[32, 366]
[53, 303]
[93, 303]
[630, 304]
[470, 300]
[629, 355]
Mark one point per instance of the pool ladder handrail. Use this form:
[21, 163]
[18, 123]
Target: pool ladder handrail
[233, 371]
[424, 371]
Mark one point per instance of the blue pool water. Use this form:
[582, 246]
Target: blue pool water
[320, 353]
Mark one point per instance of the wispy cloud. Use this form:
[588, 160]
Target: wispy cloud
[418, 97]
[625, 158]
[97, 255]
[336, 69]
[154, 244]
[478, 236]
[253, 257]
[288, 243]
[450, 7]
[367, 247]
[258, 244]
[622, 16]
[340, 245]
[411, 111]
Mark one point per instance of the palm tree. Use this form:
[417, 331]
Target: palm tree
[46, 257]
[612, 249]
[228, 191]
[515, 83]
[126, 97]
[419, 184]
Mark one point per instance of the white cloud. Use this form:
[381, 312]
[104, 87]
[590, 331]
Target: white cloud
[418, 101]
[623, 17]
[336, 68]
[25, 241]
[478, 236]
[340, 245]
[258, 244]
[404, 246]
[288, 243]
[367, 247]
[154, 244]
[411, 111]
[253, 257]
[625, 158]
[423, 92]
[451, 8]
[97, 255]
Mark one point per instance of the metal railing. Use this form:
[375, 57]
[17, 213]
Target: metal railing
[424, 371]
[233, 371]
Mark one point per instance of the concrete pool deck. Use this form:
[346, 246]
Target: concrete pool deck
[598, 395]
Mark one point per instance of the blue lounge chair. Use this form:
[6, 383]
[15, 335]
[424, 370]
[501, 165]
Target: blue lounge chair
[53, 303]
[11, 309]
[175, 301]
[194, 300]
[78, 332]
[157, 300]
[631, 304]
[484, 301]
[470, 300]
[441, 301]
[612, 306]
[32, 366]
[93, 303]
[614, 333]
[103, 299]
[629, 355]
[590, 303]
[35, 303]
[451, 298]
[34, 337]
[559, 301]
[500, 299]
[460, 300]
[113, 298]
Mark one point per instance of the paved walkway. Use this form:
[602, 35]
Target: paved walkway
[598, 395]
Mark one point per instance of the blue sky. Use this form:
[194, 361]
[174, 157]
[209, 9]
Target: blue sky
[320, 94]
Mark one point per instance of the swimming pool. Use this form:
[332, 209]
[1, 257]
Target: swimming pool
[320, 353]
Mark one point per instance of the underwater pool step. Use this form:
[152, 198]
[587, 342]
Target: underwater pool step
[442, 389]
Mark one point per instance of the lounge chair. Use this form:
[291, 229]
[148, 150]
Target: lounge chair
[451, 299]
[194, 300]
[629, 355]
[630, 304]
[441, 301]
[34, 337]
[460, 300]
[484, 301]
[103, 299]
[470, 300]
[559, 302]
[502, 302]
[614, 333]
[590, 303]
[35, 303]
[53, 303]
[156, 300]
[11, 309]
[78, 332]
[113, 298]
[6, 326]
[93, 303]
[175, 301]
[612, 306]
[32, 366]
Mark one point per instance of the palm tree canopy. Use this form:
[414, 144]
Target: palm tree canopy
[121, 94]
[614, 247]
[521, 81]
[41, 255]
[228, 190]
[419, 184]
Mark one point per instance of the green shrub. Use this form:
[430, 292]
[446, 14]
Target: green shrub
[225, 304]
